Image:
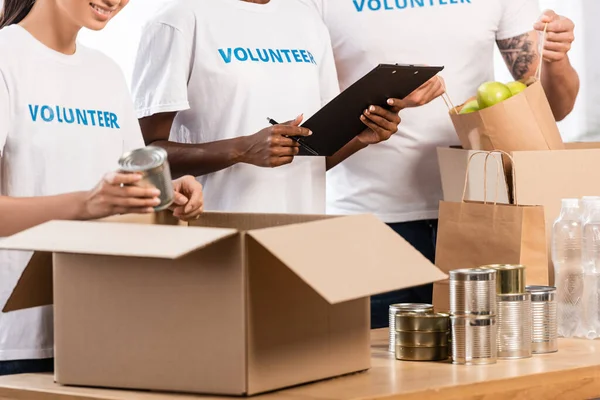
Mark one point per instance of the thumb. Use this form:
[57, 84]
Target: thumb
[296, 121]
[180, 199]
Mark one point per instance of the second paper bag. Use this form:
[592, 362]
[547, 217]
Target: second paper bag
[474, 234]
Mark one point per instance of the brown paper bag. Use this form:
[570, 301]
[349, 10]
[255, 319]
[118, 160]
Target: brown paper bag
[523, 122]
[474, 234]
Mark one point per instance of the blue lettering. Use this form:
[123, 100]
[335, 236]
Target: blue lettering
[47, 114]
[92, 115]
[275, 55]
[240, 54]
[260, 55]
[226, 57]
[443, 2]
[360, 7]
[58, 115]
[468, 1]
[312, 59]
[304, 56]
[113, 121]
[100, 119]
[398, 2]
[296, 55]
[286, 53]
[81, 117]
[431, 2]
[374, 5]
[107, 119]
[252, 56]
[453, 2]
[34, 112]
[71, 119]
[386, 5]
[417, 2]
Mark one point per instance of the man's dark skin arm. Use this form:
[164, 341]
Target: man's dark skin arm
[267, 148]
[559, 78]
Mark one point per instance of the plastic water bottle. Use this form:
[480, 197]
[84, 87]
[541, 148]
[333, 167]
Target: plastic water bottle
[568, 268]
[591, 269]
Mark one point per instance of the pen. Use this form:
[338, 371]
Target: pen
[295, 139]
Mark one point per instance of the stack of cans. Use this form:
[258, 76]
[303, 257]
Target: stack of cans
[514, 312]
[422, 336]
[544, 327]
[403, 308]
[473, 316]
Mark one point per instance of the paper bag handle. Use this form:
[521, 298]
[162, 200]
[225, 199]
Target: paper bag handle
[538, 71]
[484, 176]
[513, 172]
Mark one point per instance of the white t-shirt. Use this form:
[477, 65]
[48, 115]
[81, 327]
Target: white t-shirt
[226, 66]
[399, 179]
[64, 123]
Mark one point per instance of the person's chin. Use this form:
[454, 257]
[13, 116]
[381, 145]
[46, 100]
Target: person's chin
[96, 25]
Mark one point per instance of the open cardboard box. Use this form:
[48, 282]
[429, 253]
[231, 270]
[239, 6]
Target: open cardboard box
[248, 303]
[542, 178]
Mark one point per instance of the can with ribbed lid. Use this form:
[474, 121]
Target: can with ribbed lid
[395, 309]
[544, 326]
[474, 340]
[151, 162]
[514, 326]
[510, 278]
[473, 291]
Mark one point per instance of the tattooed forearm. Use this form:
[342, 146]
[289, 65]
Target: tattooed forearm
[519, 54]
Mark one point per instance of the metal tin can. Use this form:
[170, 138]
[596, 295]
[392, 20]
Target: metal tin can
[473, 291]
[474, 340]
[510, 279]
[422, 339]
[152, 163]
[395, 309]
[406, 353]
[544, 328]
[411, 322]
[514, 326]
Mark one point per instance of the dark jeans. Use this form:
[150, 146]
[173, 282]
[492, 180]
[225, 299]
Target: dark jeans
[26, 366]
[422, 236]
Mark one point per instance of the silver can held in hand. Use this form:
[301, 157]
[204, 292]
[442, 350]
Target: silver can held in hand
[151, 162]
[544, 324]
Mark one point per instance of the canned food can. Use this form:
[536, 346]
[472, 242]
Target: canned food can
[474, 340]
[433, 322]
[544, 327]
[151, 162]
[406, 353]
[514, 326]
[422, 339]
[395, 309]
[473, 291]
[510, 278]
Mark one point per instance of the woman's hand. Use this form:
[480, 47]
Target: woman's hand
[270, 147]
[189, 200]
[381, 123]
[117, 194]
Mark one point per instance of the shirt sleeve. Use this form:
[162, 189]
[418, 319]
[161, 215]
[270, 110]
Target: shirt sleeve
[518, 17]
[4, 112]
[162, 69]
[316, 5]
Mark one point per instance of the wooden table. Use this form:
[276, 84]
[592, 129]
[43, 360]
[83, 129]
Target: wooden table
[572, 373]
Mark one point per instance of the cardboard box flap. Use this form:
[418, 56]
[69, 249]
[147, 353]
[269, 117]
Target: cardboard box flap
[122, 239]
[348, 258]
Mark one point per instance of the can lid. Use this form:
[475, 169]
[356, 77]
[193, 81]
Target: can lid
[507, 297]
[540, 288]
[143, 159]
[542, 293]
[473, 274]
[411, 307]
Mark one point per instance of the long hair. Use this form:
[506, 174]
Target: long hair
[14, 11]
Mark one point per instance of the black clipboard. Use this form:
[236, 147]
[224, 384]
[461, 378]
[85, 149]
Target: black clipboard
[338, 122]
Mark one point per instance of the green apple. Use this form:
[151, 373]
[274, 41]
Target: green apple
[516, 87]
[469, 107]
[490, 93]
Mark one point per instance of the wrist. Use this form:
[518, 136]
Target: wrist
[80, 212]
[358, 143]
[239, 150]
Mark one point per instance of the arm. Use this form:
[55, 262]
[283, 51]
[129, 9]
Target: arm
[195, 159]
[559, 78]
